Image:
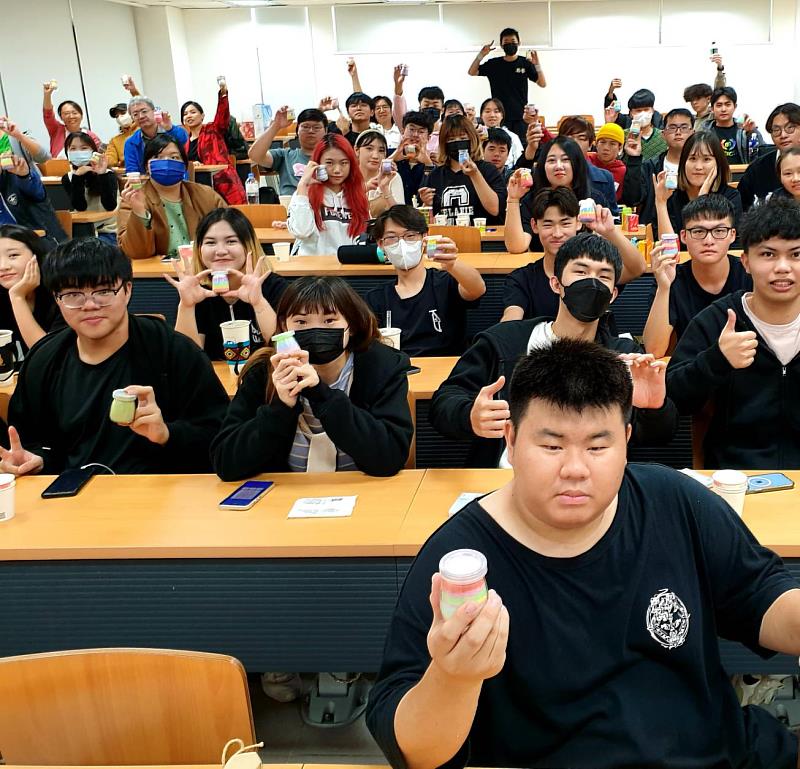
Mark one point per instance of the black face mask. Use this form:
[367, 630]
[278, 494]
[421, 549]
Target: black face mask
[510, 49]
[433, 112]
[453, 148]
[587, 299]
[323, 345]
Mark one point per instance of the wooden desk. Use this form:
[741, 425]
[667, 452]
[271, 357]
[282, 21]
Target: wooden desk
[50, 181]
[229, 382]
[495, 233]
[274, 235]
[91, 217]
[421, 387]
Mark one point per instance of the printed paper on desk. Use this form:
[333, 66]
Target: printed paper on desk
[463, 499]
[323, 507]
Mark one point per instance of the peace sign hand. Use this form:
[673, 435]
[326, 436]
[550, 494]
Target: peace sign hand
[17, 460]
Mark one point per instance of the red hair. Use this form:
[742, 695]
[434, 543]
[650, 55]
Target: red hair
[353, 186]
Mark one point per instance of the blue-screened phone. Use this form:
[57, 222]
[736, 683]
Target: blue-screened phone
[756, 484]
[246, 495]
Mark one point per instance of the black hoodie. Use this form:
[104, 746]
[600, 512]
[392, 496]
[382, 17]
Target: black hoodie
[495, 352]
[760, 178]
[756, 420]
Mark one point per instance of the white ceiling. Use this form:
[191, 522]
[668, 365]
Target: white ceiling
[220, 4]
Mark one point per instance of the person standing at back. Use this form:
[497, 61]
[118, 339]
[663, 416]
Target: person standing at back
[508, 77]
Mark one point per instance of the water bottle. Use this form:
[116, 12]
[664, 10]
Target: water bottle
[752, 148]
[251, 188]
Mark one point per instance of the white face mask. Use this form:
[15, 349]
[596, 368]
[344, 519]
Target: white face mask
[124, 120]
[404, 256]
[644, 118]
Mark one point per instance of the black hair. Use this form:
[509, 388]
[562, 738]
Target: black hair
[679, 112]
[507, 32]
[592, 247]
[451, 102]
[29, 238]
[575, 124]
[421, 119]
[83, 136]
[312, 115]
[783, 154]
[571, 375]
[368, 137]
[697, 91]
[580, 169]
[431, 92]
[713, 206]
[710, 141]
[157, 145]
[85, 263]
[790, 110]
[719, 93]
[191, 104]
[408, 216]
[497, 103]
[64, 104]
[779, 217]
[498, 136]
[561, 198]
[375, 100]
[644, 97]
[359, 97]
[238, 222]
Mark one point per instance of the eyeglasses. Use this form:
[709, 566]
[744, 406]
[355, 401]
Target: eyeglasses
[678, 129]
[102, 297]
[700, 233]
[408, 237]
[788, 129]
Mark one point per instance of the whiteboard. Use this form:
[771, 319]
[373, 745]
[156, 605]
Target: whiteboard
[734, 21]
[384, 29]
[465, 24]
[610, 24]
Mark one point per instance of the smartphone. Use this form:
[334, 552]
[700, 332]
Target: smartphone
[246, 495]
[757, 484]
[413, 370]
[69, 483]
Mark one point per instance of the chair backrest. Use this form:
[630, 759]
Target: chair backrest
[55, 167]
[264, 215]
[468, 239]
[65, 220]
[122, 706]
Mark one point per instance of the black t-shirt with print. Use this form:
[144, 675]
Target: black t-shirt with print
[454, 193]
[528, 287]
[433, 322]
[215, 310]
[612, 657]
[727, 138]
[508, 81]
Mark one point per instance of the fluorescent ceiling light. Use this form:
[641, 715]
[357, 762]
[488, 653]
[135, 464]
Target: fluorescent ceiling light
[250, 3]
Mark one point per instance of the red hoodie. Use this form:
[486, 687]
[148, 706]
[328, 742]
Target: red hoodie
[616, 168]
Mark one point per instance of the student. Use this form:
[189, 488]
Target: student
[360, 109]
[383, 190]
[226, 241]
[474, 187]
[493, 115]
[699, 96]
[326, 215]
[609, 584]
[527, 292]
[684, 290]
[601, 181]
[143, 111]
[414, 166]
[453, 107]
[206, 145]
[734, 138]
[641, 106]
[71, 115]
[383, 117]
[609, 141]
[703, 168]
[428, 305]
[290, 162]
[508, 76]
[115, 149]
[163, 214]
[340, 403]
[431, 103]
[27, 308]
[788, 168]
[586, 272]
[91, 184]
[760, 178]
[22, 143]
[741, 353]
[496, 150]
[59, 411]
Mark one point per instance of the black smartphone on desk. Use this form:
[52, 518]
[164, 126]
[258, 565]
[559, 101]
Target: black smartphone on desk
[69, 483]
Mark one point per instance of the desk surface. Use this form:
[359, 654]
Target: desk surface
[273, 235]
[91, 217]
[176, 516]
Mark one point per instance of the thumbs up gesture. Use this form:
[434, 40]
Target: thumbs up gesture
[488, 416]
[739, 347]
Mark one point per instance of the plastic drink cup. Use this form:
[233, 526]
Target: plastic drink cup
[282, 251]
[463, 574]
[321, 173]
[386, 167]
[236, 344]
[671, 180]
[587, 214]
[219, 282]
[123, 407]
[525, 177]
[462, 220]
[480, 223]
[463, 156]
[669, 244]
[731, 485]
[8, 483]
[286, 342]
[390, 337]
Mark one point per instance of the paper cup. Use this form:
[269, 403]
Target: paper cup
[7, 484]
[462, 220]
[731, 485]
[440, 220]
[480, 223]
[236, 344]
[282, 251]
[8, 357]
[390, 337]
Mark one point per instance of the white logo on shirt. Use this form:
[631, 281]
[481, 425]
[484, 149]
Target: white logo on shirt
[667, 619]
[436, 320]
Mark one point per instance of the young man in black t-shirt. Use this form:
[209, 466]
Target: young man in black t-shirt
[60, 408]
[733, 137]
[429, 306]
[411, 157]
[596, 645]
[508, 77]
[683, 290]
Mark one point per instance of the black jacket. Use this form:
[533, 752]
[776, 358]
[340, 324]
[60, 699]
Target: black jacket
[373, 424]
[638, 188]
[760, 178]
[496, 351]
[188, 392]
[756, 420]
[105, 185]
[29, 212]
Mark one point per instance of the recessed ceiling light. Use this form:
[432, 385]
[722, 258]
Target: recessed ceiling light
[250, 3]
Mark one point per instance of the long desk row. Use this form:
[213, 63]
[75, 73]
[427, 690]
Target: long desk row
[151, 561]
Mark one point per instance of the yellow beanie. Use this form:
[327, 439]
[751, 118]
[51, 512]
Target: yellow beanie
[611, 131]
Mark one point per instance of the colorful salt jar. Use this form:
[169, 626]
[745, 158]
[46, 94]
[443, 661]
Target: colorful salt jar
[321, 173]
[411, 151]
[431, 245]
[463, 575]
[6, 160]
[404, 70]
[123, 407]
[669, 244]
[219, 282]
[463, 156]
[671, 180]
[286, 342]
[386, 167]
[525, 177]
[135, 180]
[587, 214]
[290, 115]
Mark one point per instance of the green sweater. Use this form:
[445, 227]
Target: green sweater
[653, 146]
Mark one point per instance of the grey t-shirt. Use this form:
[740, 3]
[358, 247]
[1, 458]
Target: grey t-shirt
[290, 164]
